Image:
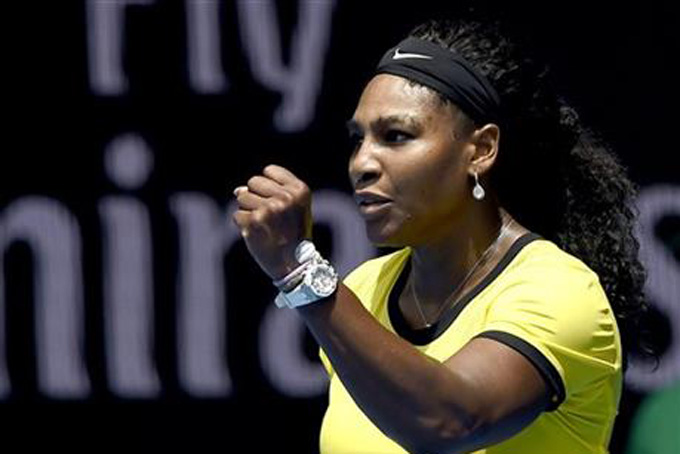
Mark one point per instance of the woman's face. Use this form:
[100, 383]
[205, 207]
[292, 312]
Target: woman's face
[408, 169]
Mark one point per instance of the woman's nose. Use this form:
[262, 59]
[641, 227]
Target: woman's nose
[364, 167]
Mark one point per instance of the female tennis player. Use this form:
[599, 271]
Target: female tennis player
[501, 322]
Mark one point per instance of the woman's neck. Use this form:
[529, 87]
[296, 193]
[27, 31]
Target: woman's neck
[442, 264]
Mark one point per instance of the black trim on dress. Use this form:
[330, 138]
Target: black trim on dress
[424, 336]
[552, 377]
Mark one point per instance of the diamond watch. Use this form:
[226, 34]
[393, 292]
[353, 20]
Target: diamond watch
[319, 279]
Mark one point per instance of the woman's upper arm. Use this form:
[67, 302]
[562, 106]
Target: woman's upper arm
[508, 387]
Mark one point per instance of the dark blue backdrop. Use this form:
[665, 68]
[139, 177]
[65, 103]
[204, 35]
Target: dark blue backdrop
[130, 312]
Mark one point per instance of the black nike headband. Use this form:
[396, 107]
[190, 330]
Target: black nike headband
[439, 68]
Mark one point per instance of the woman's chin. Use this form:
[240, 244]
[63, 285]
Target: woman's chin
[383, 237]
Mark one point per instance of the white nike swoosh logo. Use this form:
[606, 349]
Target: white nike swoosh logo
[401, 55]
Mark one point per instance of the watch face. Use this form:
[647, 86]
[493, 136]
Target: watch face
[322, 279]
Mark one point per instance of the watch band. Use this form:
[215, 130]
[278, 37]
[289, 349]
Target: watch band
[319, 279]
[305, 252]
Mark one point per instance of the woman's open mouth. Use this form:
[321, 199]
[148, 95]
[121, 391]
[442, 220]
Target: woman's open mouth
[371, 204]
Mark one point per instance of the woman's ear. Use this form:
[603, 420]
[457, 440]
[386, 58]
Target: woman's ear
[485, 141]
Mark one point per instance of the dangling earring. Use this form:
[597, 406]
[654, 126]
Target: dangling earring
[478, 191]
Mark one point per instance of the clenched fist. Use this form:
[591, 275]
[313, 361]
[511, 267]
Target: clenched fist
[274, 214]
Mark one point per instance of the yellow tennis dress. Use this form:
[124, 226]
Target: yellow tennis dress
[539, 300]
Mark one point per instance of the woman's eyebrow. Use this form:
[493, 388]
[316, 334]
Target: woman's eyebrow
[384, 121]
[402, 119]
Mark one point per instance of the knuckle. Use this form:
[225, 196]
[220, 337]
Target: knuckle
[258, 217]
[302, 186]
[287, 197]
[303, 191]
[276, 205]
[252, 181]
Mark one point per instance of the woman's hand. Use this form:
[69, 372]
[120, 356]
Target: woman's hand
[274, 214]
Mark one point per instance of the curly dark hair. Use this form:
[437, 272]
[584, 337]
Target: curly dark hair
[555, 175]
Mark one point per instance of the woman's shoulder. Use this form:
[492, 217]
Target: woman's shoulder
[542, 271]
[553, 300]
[546, 258]
[548, 280]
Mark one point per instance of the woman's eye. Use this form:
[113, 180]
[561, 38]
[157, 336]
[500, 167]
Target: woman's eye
[397, 136]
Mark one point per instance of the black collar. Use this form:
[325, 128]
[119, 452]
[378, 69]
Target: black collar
[424, 336]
